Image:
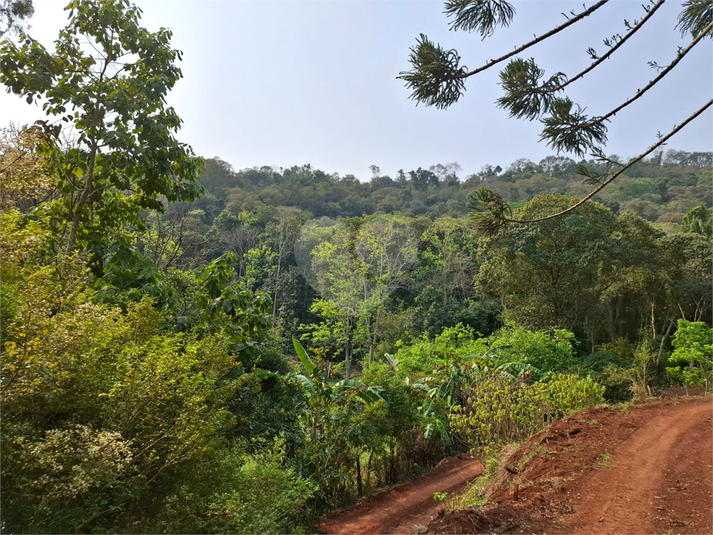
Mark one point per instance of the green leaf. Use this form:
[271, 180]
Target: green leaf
[307, 383]
[303, 356]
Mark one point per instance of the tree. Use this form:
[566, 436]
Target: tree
[356, 264]
[25, 180]
[438, 79]
[13, 13]
[550, 274]
[283, 232]
[107, 81]
[700, 221]
[692, 353]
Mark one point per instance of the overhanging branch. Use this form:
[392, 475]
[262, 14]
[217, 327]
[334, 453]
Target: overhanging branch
[640, 157]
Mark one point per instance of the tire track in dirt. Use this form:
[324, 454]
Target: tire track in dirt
[398, 510]
[623, 499]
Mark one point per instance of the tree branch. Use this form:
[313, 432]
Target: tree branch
[535, 41]
[612, 49]
[656, 80]
[662, 141]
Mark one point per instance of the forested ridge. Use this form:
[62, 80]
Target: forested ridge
[187, 348]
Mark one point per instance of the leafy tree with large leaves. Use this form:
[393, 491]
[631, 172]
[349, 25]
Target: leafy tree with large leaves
[437, 78]
[106, 81]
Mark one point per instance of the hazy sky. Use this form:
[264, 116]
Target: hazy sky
[294, 82]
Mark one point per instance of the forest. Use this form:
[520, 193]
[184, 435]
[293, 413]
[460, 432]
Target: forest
[190, 348]
[307, 338]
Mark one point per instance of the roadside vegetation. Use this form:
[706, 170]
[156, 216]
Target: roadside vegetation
[187, 348]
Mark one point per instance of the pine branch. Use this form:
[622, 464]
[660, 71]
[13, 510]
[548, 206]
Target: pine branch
[491, 212]
[613, 49]
[537, 40]
[608, 181]
[663, 73]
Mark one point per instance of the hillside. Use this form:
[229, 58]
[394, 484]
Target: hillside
[642, 468]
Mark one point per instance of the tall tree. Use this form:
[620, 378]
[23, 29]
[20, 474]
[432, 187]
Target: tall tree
[550, 274]
[106, 81]
[438, 79]
[355, 265]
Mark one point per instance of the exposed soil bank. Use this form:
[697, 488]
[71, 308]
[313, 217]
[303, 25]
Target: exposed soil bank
[647, 468]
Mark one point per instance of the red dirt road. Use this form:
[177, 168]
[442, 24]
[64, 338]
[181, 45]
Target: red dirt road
[646, 468]
[407, 505]
[628, 497]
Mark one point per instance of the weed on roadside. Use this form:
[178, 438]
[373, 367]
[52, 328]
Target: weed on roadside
[606, 460]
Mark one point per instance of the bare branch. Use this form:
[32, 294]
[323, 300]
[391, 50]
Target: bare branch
[537, 40]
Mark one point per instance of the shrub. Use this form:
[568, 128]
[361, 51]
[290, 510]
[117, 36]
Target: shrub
[692, 353]
[498, 410]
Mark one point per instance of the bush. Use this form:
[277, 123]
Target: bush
[230, 492]
[498, 410]
[692, 353]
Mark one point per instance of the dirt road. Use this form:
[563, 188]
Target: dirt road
[646, 468]
[407, 505]
[653, 477]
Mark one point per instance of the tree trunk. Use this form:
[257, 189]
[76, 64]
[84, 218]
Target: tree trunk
[84, 197]
[277, 284]
[360, 489]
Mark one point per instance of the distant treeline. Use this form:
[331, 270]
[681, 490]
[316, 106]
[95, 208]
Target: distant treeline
[661, 189]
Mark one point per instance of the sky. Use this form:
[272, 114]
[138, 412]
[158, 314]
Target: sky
[283, 83]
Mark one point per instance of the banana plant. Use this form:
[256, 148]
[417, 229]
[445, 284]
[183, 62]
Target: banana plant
[316, 381]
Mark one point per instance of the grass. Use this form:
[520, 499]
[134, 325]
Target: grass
[536, 450]
[475, 494]
[606, 460]
[440, 497]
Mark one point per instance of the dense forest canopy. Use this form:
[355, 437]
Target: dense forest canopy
[190, 348]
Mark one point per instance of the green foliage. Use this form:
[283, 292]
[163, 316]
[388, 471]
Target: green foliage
[640, 373]
[99, 410]
[126, 158]
[696, 16]
[230, 492]
[546, 352]
[436, 77]
[693, 349]
[482, 17]
[700, 221]
[524, 98]
[109, 420]
[497, 411]
[450, 346]
[439, 497]
[598, 366]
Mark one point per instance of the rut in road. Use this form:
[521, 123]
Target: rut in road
[626, 497]
[409, 504]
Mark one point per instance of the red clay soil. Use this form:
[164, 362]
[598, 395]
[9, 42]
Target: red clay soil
[646, 468]
[407, 505]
